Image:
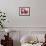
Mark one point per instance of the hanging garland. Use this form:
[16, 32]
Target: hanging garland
[2, 19]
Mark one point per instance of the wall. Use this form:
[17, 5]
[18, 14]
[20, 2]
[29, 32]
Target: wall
[35, 22]
[37, 16]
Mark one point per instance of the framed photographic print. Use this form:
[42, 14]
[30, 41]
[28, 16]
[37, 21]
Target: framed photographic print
[24, 11]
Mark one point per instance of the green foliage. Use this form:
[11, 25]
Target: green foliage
[2, 19]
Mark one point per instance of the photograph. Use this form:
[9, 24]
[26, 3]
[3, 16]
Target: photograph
[24, 11]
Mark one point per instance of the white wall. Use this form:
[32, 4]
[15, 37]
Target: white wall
[37, 16]
[25, 24]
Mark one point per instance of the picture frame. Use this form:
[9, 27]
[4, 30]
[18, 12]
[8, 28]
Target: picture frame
[24, 11]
